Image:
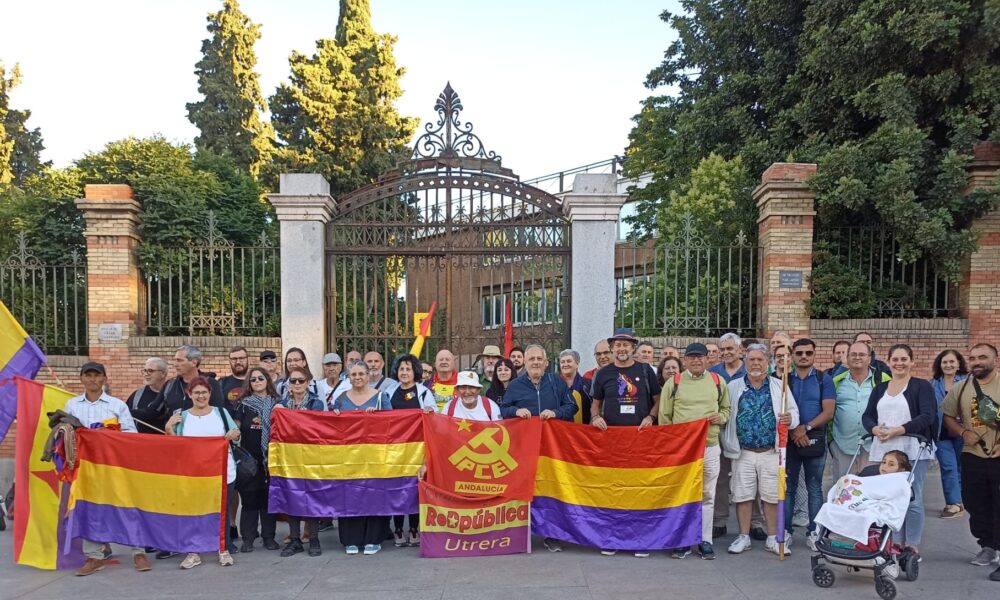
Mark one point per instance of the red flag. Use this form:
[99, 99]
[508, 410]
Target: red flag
[488, 459]
[453, 525]
[508, 328]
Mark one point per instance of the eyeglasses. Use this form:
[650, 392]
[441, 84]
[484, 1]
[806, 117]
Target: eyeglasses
[297, 380]
[151, 371]
[257, 379]
[804, 352]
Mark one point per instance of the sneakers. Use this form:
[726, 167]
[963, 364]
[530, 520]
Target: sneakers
[788, 541]
[292, 548]
[414, 538]
[552, 545]
[141, 563]
[811, 538]
[772, 546]
[192, 560]
[352, 550]
[397, 538]
[642, 553]
[247, 545]
[372, 549]
[90, 567]
[162, 554]
[680, 553]
[608, 552]
[706, 551]
[314, 548]
[269, 544]
[951, 511]
[758, 534]
[740, 544]
[986, 557]
[226, 559]
[326, 525]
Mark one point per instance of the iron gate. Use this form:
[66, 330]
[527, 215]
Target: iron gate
[450, 225]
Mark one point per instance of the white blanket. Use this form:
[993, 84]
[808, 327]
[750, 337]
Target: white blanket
[855, 503]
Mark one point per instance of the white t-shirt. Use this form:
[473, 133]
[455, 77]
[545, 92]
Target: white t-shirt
[324, 390]
[894, 411]
[476, 414]
[210, 425]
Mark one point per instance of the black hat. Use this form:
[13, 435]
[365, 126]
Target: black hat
[696, 349]
[93, 366]
[268, 355]
[625, 334]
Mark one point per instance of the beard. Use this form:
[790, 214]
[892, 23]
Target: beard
[981, 372]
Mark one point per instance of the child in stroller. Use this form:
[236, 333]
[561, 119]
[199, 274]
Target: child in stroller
[894, 461]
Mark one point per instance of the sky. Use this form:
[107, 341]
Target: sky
[547, 84]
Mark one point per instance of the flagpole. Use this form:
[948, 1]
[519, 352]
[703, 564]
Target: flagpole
[782, 444]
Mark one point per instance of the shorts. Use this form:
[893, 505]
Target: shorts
[753, 473]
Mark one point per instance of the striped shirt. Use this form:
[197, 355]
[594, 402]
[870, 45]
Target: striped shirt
[104, 408]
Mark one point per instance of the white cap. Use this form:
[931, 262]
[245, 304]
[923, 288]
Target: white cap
[468, 378]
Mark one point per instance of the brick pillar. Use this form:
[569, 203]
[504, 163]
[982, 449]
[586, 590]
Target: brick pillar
[113, 287]
[979, 296]
[785, 208]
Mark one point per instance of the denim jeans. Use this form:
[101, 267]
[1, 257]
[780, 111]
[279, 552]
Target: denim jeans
[813, 469]
[913, 526]
[948, 452]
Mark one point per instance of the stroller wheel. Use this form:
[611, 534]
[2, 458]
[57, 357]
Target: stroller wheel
[823, 576]
[885, 588]
[911, 567]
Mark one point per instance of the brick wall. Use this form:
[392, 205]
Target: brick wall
[927, 337]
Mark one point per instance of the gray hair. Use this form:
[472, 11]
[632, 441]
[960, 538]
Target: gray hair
[759, 348]
[540, 347]
[159, 363]
[731, 336]
[192, 353]
[359, 363]
[570, 352]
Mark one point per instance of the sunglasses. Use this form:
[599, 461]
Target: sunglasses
[804, 352]
[258, 378]
[297, 380]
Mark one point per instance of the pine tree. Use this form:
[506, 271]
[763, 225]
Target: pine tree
[229, 114]
[336, 115]
[7, 83]
[26, 157]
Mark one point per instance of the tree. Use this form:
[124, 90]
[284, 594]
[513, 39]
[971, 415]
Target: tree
[888, 96]
[26, 157]
[336, 116]
[7, 83]
[229, 114]
[717, 195]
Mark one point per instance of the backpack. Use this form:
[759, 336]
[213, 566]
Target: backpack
[715, 378]
[486, 407]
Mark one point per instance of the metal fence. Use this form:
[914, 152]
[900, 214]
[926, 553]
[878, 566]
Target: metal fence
[900, 290]
[215, 288]
[687, 286]
[49, 300]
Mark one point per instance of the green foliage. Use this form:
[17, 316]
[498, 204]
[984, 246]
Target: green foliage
[43, 208]
[7, 83]
[26, 155]
[717, 195]
[888, 96]
[336, 116]
[838, 291]
[228, 116]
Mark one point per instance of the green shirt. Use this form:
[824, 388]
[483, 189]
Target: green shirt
[696, 398]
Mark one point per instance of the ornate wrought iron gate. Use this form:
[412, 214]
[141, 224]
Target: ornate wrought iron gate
[450, 225]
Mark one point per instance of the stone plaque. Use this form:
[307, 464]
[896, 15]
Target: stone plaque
[109, 332]
[790, 280]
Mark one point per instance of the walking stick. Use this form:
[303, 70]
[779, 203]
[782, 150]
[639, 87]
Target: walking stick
[782, 444]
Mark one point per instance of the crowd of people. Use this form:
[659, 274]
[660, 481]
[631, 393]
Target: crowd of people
[851, 415]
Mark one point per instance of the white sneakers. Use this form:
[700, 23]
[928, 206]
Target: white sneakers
[771, 545]
[191, 561]
[811, 540]
[740, 544]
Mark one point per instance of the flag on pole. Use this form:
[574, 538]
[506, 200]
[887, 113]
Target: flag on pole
[19, 356]
[508, 328]
[425, 327]
[40, 501]
[782, 455]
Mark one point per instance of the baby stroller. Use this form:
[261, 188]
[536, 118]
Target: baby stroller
[885, 559]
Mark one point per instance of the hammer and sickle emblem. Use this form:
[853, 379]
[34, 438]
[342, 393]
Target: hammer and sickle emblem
[496, 461]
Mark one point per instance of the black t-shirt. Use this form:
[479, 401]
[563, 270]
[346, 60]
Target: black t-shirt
[251, 430]
[140, 409]
[405, 399]
[626, 393]
[231, 389]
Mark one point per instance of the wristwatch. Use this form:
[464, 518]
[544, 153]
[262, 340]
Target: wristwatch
[808, 427]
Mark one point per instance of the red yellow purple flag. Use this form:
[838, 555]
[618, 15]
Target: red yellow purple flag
[40, 501]
[19, 356]
[149, 490]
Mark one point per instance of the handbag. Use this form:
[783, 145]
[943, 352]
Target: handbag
[817, 443]
[246, 464]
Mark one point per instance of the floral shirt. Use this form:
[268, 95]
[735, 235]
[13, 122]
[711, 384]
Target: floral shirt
[756, 425]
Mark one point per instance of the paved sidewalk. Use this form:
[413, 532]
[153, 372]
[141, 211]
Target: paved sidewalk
[575, 574]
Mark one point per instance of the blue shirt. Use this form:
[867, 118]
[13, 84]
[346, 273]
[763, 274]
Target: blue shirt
[378, 401]
[939, 392]
[810, 392]
[852, 400]
[720, 370]
[756, 425]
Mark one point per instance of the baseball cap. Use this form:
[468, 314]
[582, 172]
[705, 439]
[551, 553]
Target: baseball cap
[268, 355]
[696, 349]
[93, 366]
[331, 357]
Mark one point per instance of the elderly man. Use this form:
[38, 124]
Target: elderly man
[92, 407]
[488, 360]
[866, 338]
[714, 354]
[692, 395]
[645, 352]
[579, 388]
[376, 378]
[670, 350]
[751, 440]
[603, 357]
[141, 401]
[854, 387]
[536, 392]
[468, 404]
[731, 367]
[332, 368]
[174, 397]
[445, 377]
